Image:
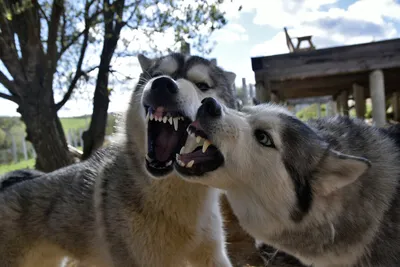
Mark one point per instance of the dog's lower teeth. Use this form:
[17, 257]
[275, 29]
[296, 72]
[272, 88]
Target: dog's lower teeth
[206, 144]
[169, 163]
[190, 164]
[148, 158]
[180, 163]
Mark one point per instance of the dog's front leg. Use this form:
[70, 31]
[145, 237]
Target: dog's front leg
[210, 254]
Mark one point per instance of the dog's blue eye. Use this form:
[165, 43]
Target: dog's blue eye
[203, 86]
[263, 138]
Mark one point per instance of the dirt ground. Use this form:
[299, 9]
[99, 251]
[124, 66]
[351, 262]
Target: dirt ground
[241, 249]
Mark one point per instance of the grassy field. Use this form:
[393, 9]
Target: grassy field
[75, 123]
[14, 126]
[16, 166]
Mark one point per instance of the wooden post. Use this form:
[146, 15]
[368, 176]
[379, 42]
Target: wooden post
[24, 149]
[245, 94]
[359, 98]
[338, 106]
[377, 90]
[329, 108]
[319, 110]
[185, 48]
[14, 148]
[263, 92]
[396, 105]
[344, 102]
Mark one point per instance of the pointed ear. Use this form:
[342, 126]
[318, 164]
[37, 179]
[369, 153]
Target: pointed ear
[144, 62]
[230, 76]
[213, 61]
[338, 170]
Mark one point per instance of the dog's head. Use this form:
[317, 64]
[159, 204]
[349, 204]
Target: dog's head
[267, 151]
[165, 102]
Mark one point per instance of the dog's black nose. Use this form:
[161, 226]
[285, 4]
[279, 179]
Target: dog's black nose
[164, 86]
[211, 107]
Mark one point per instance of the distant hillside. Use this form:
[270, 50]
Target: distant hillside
[14, 125]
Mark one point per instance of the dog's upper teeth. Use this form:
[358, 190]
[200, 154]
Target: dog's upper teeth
[190, 164]
[176, 124]
[170, 120]
[182, 149]
[165, 119]
[151, 116]
[168, 163]
[160, 118]
[147, 116]
[148, 158]
[206, 144]
[199, 138]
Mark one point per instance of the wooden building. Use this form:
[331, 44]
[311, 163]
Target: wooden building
[369, 70]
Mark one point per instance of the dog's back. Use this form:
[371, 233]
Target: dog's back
[48, 216]
[14, 177]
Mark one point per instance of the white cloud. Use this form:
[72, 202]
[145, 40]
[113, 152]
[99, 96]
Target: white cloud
[363, 21]
[276, 45]
[232, 32]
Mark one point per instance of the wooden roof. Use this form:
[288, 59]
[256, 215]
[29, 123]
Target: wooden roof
[330, 70]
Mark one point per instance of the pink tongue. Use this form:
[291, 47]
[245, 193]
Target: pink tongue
[164, 146]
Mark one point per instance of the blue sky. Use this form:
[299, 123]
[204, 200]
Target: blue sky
[258, 31]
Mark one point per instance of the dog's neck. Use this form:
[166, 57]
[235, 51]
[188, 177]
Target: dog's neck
[170, 196]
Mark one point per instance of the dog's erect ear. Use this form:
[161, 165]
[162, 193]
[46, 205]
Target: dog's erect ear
[338, 170]
[144, 62]
[231, 76]
[213, 61]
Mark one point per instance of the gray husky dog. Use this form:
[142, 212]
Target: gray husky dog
[125, 206]
[325, 191]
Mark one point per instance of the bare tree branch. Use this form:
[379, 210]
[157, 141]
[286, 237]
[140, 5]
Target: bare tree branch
[91, 19]
[51, 62]
[9, 85]
[10, 97]
[79, 71]
[9, 56]
[8, 50]
[43, 13]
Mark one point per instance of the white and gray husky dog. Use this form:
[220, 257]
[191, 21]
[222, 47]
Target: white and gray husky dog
[325, 191]
[125, 206]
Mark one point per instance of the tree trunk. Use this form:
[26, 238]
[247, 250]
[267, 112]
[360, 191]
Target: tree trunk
[93, 138]
[44, 131]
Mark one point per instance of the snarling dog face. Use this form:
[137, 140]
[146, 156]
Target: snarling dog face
[165, 102]
[266, 152]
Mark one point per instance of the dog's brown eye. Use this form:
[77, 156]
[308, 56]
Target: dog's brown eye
[203, 86]
[263, 138]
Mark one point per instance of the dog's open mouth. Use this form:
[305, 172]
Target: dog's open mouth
[204, 158]
[166, 135]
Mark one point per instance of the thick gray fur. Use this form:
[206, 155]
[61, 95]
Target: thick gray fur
[326, 192]
[109, 211]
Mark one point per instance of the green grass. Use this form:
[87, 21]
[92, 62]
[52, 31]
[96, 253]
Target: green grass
[75, 123]
[30, 163]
